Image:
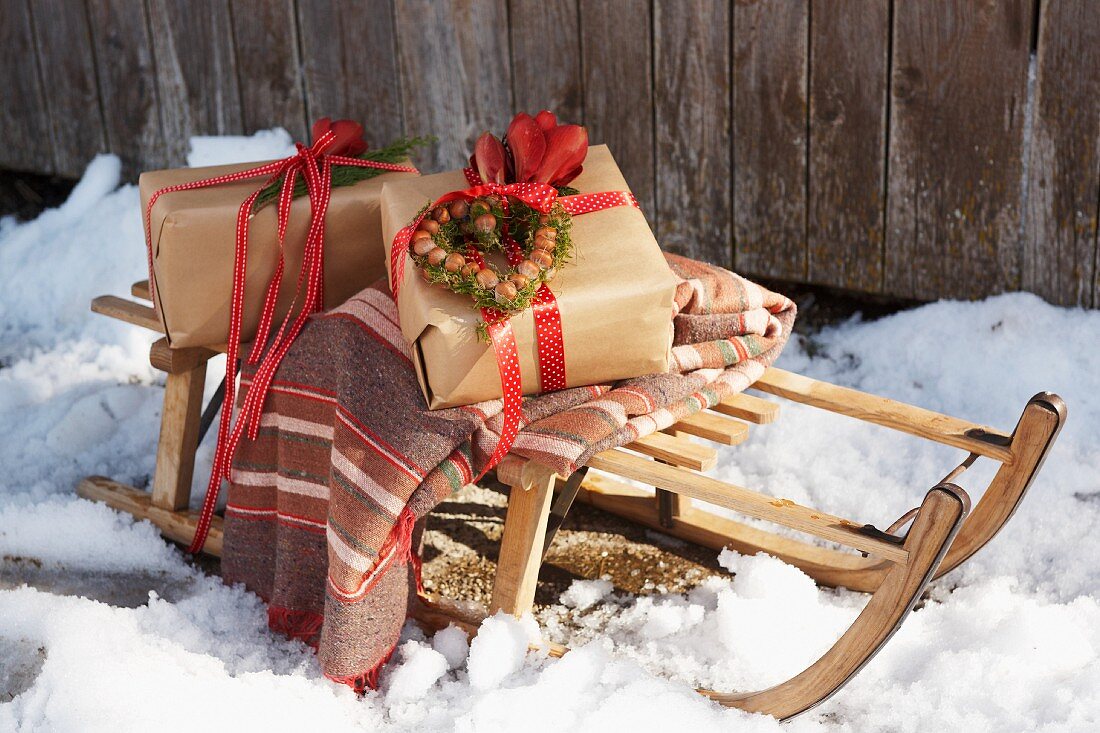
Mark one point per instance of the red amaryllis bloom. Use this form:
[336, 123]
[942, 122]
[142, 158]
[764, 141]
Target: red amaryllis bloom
[538, 149]
[349, 136]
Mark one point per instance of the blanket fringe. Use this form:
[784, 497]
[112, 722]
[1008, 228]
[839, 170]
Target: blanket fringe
[365, 680]
[302, 625]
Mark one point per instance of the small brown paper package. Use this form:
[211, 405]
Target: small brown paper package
[194, 236]
[615, 299]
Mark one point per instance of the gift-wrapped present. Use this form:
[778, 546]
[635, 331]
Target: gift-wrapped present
[615, 298]
[192, 235]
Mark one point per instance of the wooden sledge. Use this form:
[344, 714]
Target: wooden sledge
[894, 565]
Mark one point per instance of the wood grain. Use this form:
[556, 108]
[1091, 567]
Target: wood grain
[618, 89]
[196, 71]
[67, 63]
[1063, 187]
[846, 214]
[769, 138]
[691, 60]
[889, 413]
[179, 438]
[23, 115]
[265, 36]
[745, 501]
[178, 526]
[958, 98]
[349, 53]
[455, 73]
[546, 67]
[127, 84]
[522, 544]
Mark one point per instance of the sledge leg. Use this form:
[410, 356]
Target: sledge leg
[524, 535]
[179, 438]
[942, 513]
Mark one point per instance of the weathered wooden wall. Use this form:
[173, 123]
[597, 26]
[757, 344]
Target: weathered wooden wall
[946, 148]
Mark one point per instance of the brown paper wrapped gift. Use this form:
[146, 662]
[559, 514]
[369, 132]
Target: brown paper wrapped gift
[615, 299]
[193, 236]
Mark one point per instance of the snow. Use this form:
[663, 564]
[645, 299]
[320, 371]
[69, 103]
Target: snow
[114, 631]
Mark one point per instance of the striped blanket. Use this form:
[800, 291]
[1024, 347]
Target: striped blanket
[322, 513]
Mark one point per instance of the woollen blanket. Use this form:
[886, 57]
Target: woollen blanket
[323, 504]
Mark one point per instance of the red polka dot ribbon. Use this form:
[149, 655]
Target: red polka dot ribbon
[548, 325]
[315, 166]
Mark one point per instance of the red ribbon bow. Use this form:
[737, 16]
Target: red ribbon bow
[548, 328]
[314, 163]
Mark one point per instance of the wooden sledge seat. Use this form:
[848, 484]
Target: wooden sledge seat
[893, 565]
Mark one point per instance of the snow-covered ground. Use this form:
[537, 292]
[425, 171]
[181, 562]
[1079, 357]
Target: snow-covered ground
[114, 631]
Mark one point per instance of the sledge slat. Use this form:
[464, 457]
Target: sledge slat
[178, 526]
[127, 310]
[713, 427]
[140, 289]
[886, 412]
[177, 361]
[677, 451]
[746, 501]
[747, 407]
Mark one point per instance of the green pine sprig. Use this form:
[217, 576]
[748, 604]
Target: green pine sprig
[397, 151]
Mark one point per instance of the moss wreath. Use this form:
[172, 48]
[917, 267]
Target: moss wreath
[450, 241]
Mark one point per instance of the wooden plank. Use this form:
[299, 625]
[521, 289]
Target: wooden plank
[1063, 186]
[127, 83]
[268, 67]
[691, 57]
[958, 97]
[714, 427]
[846, 214]
[179, 437]
[522, 544]
[750, 503]
[127, 310]
[196, 71]
[825, 565]
[24, 120]
[546, 67]
[889, 413]
[769, 138]
[67, 64]
[140, 289]
[178, 361]
[455, 75]
[676, 451]
[176, 526]
[618, 89]
[747, 407]
[351, 68]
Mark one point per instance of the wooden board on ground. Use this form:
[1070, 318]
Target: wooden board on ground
[958, 97]
[546, 67]
[769, 138]
[1063, 185]
[197, 82]
[618, 89]
[849, 44]
[351, 66]
[455, 77]
[691, 63]
[271, 83]
[127, 87]
[67, 64]
[23, 114]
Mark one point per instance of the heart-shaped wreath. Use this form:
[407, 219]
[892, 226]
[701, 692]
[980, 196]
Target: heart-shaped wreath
[451, 240]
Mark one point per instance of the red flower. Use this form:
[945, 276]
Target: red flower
[349, 136]
[540, 150]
